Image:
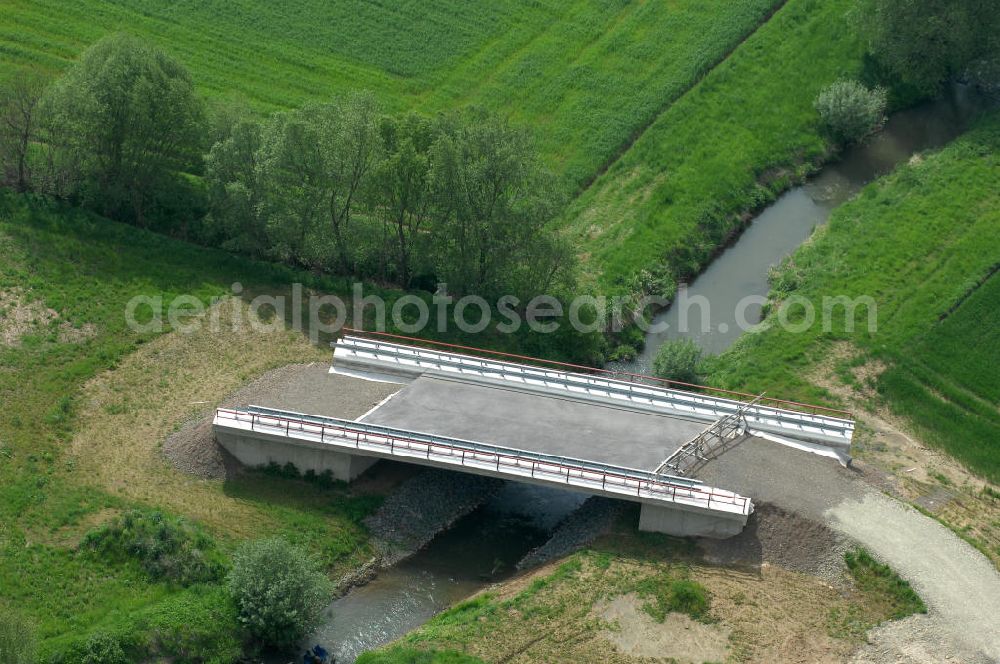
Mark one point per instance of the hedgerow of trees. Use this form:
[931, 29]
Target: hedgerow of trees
[338, 186]
[924, 43]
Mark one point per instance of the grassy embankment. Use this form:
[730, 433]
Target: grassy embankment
[587, 76]
[79, 444]
[638, 595]
[744, 133]
[65, 278]
[924, 243]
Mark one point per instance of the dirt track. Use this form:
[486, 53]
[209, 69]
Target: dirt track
[959, 585]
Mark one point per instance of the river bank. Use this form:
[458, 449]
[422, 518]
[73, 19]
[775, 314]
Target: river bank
[714, 309]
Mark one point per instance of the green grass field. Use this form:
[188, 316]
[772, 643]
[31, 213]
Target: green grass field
[587, 75]
[923, 243]
[86, 268]
[726, 147]
[67, 275]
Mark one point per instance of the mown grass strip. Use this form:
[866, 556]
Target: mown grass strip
[915, 241]
[742, 134]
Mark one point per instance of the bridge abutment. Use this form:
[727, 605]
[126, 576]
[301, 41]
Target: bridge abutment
[682, 523]
[261, 449]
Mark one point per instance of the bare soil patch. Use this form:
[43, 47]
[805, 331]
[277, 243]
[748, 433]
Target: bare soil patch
[633, 632]
[775, 536]
[20, 316]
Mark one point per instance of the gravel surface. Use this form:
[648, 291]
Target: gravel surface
[585, 524]
[306, 388]
[422, 507]
[786, 539]
[801, 496]
[959, 585]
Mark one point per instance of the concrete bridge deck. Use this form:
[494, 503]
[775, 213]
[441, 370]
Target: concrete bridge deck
[591, 433]
[346, 448]
[551, 424]
[386, 360]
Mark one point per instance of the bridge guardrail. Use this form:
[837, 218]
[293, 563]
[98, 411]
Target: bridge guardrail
[821, 428]
[576, 472]
[624, 376]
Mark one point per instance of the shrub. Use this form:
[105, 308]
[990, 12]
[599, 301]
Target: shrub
[168, 549]
[623, 353]
[104, 649]
[17, 640]
[668, 594]
[98, 648]
[880, 581]
[850, 112]
[678, 360]
[278, 590]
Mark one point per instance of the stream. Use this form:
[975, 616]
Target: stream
[484, 547]
[741, 270]
[480, 549]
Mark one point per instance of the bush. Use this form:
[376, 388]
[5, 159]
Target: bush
[104, 649]
[678, 360]
[168, 549]
[667, 594]
[17, 640]
[98, 648]
[278, 590]
[881, 582]
[850, 112]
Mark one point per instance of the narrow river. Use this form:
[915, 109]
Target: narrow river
[480, 549]
[741, 270]
[485, 546]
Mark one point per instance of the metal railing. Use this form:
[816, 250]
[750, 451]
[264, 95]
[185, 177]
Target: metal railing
[696, 452]
[413, 356]
[611, 374]
[398, 442]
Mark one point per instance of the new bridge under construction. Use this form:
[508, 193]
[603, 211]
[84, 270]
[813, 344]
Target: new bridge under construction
[595, 431]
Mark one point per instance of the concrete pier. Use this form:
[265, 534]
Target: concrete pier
[683, 523]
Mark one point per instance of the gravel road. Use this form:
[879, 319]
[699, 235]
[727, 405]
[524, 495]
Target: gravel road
[959, 585]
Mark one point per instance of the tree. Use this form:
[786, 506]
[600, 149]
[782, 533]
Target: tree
[17, 640]
[678, 360]
[400, 193]
[235, 192]
[20, 98]
[292, 176]
[850, 112]
[495, 201]
[278, 590]
[131, 115]
[925, 42]
[348, 132]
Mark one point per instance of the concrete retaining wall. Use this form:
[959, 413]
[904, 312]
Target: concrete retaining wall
[261, 449]
[682, 523]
